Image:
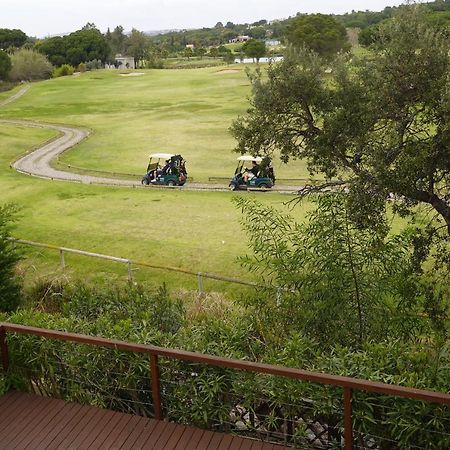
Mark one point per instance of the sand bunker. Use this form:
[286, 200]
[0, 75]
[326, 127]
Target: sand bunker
[132, 74]
[224, 71]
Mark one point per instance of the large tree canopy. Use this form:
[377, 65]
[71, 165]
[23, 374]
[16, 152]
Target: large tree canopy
[84, 45]
[254, 49]
[11, 38]
[5, 65]
[318, 32]
[380, 124]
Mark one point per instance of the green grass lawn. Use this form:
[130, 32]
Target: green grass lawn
[185, 111]
[199, 231]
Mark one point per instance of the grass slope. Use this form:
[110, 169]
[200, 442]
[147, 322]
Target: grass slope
[199, 231]
[185, 111]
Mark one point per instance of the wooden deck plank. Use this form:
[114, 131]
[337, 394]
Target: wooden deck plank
[215, 441]
[120, 426]
[55, 444]
[155, 434]
[97, 441]
[127, 431]
[46, 416]
[139, 431]
[20, 420]
[176, 435]
[54, 428]
[189, 439]
[237, 442]
[31, 422]
[166, 435]
[206, 439]
[225, 442]
[17, 406]
[70, 440]
[88, 429]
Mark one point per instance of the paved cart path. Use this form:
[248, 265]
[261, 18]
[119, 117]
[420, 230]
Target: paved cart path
[38, 162]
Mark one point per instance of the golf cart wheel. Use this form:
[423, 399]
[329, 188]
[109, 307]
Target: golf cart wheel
[232, 187]
[171, 183]
[263, 186]
[145, 181]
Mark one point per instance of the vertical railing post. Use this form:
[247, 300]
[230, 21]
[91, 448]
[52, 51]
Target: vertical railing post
[4, 349]
[348, 425]
[130, 272]
[200, 283]
[61, 258]
[156, 392]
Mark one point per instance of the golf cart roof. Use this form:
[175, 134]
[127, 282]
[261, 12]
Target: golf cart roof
[249, 158]
[162, 155]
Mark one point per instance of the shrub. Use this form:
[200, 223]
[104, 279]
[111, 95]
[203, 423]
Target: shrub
[28, 65]
[82, 67]
[64, 70]
[10, 285]
[336, 282]
[5, 65]
[94, 64]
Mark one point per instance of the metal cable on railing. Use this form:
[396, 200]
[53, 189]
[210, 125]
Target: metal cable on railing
[344, 407]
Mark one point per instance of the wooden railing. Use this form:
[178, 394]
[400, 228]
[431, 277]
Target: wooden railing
[348, 384]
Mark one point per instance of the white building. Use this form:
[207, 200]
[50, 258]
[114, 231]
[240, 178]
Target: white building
[124, 62]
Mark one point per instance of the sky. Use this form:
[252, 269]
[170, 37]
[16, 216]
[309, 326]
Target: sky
[41, 18]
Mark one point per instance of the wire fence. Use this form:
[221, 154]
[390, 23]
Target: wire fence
[131, 264]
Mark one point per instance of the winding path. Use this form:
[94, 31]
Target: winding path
[37, 162]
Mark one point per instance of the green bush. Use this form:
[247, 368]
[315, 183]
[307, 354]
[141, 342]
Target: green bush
[64, 70]
[10, 283]
[328, 278]
[29, 65]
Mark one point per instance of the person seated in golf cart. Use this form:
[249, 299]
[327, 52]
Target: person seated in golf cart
[251, 173]
[173, 173]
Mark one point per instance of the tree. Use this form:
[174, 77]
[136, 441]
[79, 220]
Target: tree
[28, 65]
[118, 39]
[85, 45]
[10, 286]
[332, 278]
[11, 38]
[5, 65]
[380, 125]
[254, 49]
[319, 32]
[137, 45]
[55, 49]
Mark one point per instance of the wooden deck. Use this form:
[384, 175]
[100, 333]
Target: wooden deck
[33, 422]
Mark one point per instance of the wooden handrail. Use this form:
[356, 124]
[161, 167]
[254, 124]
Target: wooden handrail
[347, 383]
[299, 374]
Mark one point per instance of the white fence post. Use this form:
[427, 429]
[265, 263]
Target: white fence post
[61, 258]
[200, 283]
[130, 272]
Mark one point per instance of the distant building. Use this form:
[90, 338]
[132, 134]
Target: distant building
[191, 46]
[124, 62]
[272, 42]
[240, 39]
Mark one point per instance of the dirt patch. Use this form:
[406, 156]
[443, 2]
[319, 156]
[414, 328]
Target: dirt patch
[132, 74]
[225, 71]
